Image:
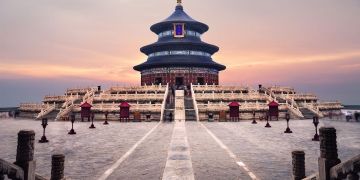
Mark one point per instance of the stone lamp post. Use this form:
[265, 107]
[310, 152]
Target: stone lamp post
[106, 118]
[287, 117]
[316, 123]
[92, 121]
[254, 120]
[44, 123]
[72, 118]
[267, 121]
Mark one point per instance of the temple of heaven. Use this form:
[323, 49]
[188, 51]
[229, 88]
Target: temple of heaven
[179, 57]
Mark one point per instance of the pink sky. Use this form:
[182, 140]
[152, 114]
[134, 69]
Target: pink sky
[306, 44]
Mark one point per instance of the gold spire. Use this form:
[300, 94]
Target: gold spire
[179, 1]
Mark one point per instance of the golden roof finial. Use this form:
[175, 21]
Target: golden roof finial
[179, 1]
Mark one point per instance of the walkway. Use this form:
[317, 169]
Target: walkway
[178, 164]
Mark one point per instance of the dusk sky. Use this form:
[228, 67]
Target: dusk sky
[48, 46]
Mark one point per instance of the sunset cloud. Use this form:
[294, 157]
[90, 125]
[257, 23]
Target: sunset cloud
[306, 44]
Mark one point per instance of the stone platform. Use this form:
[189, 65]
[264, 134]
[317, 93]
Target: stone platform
[242, 150]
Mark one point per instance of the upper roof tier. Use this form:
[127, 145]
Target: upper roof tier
[179, 16]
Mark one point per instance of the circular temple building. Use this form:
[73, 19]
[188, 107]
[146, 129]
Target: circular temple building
[179, 57]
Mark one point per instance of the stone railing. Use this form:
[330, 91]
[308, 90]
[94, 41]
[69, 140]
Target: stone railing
[329, 105]
[163, 104]
[329, 165]
[70, 100]
[111, 97]
[161, 88]
[294, 109]
[75, 91]
[31, 107]
[54, 99]
[46, 110]
[301, 96]
[225, 107]
[24, 166]
[194, 102]
[212, 107]
[281, 89]
[230, 96]
[133, 107]
[290, 103]
[88, 97]
[348, 169]
[218, 88]
[64, 112]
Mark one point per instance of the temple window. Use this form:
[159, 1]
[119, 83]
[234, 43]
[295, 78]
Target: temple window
[179, 30]
[187, 33]
[183, 52]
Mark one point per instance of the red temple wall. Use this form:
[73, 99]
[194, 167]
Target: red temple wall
[188, 78]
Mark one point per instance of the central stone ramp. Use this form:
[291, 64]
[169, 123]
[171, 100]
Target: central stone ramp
[178, 164]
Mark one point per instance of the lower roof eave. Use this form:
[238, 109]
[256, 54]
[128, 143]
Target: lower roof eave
[146, 66]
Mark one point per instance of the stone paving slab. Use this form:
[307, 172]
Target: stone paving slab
[88, 153]
[149, 159]
[208, 159]
[267, 151]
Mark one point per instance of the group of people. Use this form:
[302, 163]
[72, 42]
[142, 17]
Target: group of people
[357, 116]
[349, 116]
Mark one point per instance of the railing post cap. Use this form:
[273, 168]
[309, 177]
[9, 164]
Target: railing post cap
[58, 156]
[26, 132]
[327, 129]
[298, 152]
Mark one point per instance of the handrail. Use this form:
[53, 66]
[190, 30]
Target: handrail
[164, 103]
[219, 88]
[232, 96]
[194, 102]
[11, 170]
[106, 97]
[31, 106]
[341, 170]
[46, 110]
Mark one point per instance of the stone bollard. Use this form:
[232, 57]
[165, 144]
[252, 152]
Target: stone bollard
[298, 163]
[57, 167]
[25, 153]
[2, 177]
[328, 152]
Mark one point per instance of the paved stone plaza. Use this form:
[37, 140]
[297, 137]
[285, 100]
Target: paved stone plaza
[238, 150]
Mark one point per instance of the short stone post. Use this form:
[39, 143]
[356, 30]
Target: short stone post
[57, 167]
[2, 177]
[328, 152]
[25, 153]
[298, 163]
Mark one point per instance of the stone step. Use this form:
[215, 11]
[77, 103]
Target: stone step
[307, 113]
